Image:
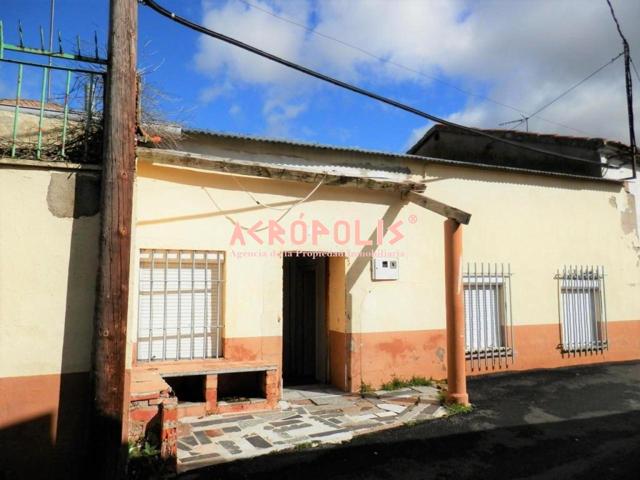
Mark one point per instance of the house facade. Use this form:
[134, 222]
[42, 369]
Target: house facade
[340, 282]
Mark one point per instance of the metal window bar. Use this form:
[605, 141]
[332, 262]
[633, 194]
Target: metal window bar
[488, 315]
[582, 309]
[66, 126]
[179, 311]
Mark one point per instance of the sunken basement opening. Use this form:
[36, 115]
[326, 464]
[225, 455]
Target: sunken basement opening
[188, 388]
[241, 386]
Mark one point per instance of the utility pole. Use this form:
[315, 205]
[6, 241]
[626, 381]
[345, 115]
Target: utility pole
[109, 430]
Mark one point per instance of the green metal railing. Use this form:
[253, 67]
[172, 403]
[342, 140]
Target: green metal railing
[49, 120]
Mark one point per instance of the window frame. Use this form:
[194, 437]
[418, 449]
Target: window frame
[494, 278]
[210, 328]
[586, 331]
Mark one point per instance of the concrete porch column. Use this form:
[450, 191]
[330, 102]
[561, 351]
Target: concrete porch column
[456, 377]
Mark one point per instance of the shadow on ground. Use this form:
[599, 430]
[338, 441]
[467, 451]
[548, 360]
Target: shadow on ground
[571, 423]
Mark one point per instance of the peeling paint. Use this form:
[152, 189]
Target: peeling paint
[73, 195]
[396, 348]
[628, 217]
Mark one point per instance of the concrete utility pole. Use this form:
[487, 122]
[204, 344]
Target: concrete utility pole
[109, 432]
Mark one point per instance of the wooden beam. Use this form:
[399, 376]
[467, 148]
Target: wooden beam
[440, 208]
[267, 170]
[110, 330]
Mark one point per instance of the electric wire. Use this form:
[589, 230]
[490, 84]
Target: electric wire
[566, 92]
[629, 91]
[282, 215]
[404, 67]
[353, 88]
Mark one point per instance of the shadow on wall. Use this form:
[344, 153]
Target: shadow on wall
[51, 440]
[357, 268]
[81, 193]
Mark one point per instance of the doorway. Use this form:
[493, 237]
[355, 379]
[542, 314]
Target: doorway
[304, 336]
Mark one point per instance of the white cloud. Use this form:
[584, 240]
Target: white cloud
[278, 114]
[520, 53]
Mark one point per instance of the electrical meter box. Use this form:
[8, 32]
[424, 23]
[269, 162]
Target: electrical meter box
[384, 269]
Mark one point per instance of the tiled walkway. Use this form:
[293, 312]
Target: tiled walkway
[307, 416]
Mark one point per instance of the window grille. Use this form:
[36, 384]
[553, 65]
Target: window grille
[179, 305]
[583, 318]
[487, 309]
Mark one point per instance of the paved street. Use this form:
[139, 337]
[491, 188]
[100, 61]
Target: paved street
[580, 422]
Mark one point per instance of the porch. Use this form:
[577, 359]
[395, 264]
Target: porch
[308, 416]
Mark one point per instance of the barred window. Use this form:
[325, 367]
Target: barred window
[582, 314]
[487, 308]
[179, 305]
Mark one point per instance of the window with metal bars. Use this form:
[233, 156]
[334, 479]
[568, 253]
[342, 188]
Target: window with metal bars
[583, 318]
[487, 308]
[179, 305]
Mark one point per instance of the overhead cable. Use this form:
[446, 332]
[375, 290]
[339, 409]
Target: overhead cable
[629, 89]
[353, 88]
[525, 119]
[402, 66]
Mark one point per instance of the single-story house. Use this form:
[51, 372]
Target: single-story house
[259, 263]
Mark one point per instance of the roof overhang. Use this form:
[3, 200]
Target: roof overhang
[329, 176]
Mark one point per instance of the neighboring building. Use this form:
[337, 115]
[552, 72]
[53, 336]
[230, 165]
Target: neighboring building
[445, 142]
[49, 233]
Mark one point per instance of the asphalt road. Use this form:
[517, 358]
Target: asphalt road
[581, 422]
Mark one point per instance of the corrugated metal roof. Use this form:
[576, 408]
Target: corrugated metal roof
[405, 156]
[295, 143]
[584, 142]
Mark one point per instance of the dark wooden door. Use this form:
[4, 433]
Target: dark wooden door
[299, 322]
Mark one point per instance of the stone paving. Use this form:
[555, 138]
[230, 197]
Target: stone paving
[307, 416]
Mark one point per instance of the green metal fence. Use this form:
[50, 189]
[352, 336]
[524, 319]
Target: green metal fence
[56, 111]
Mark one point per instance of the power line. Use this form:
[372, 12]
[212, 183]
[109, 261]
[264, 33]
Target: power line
[353, 88]
[525, 119]
[401, 66]
[573, 87]
[615, 19]
[377, 57]
[629, 89]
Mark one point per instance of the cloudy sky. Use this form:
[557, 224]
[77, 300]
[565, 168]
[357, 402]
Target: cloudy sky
[480, 63]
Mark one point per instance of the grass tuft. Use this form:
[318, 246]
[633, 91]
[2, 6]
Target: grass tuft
[415, 381]
[456, 408]
[365, 388]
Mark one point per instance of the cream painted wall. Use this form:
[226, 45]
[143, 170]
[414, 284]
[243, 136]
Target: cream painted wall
[540, 223]
[536, 223]
[184, 209]
[47, 278]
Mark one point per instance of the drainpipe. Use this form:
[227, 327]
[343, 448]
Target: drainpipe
[456, 378]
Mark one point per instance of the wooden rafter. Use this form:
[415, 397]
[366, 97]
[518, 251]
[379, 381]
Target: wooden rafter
[440, 208]
[267, 170]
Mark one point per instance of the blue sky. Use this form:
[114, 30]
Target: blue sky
[519, 53]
